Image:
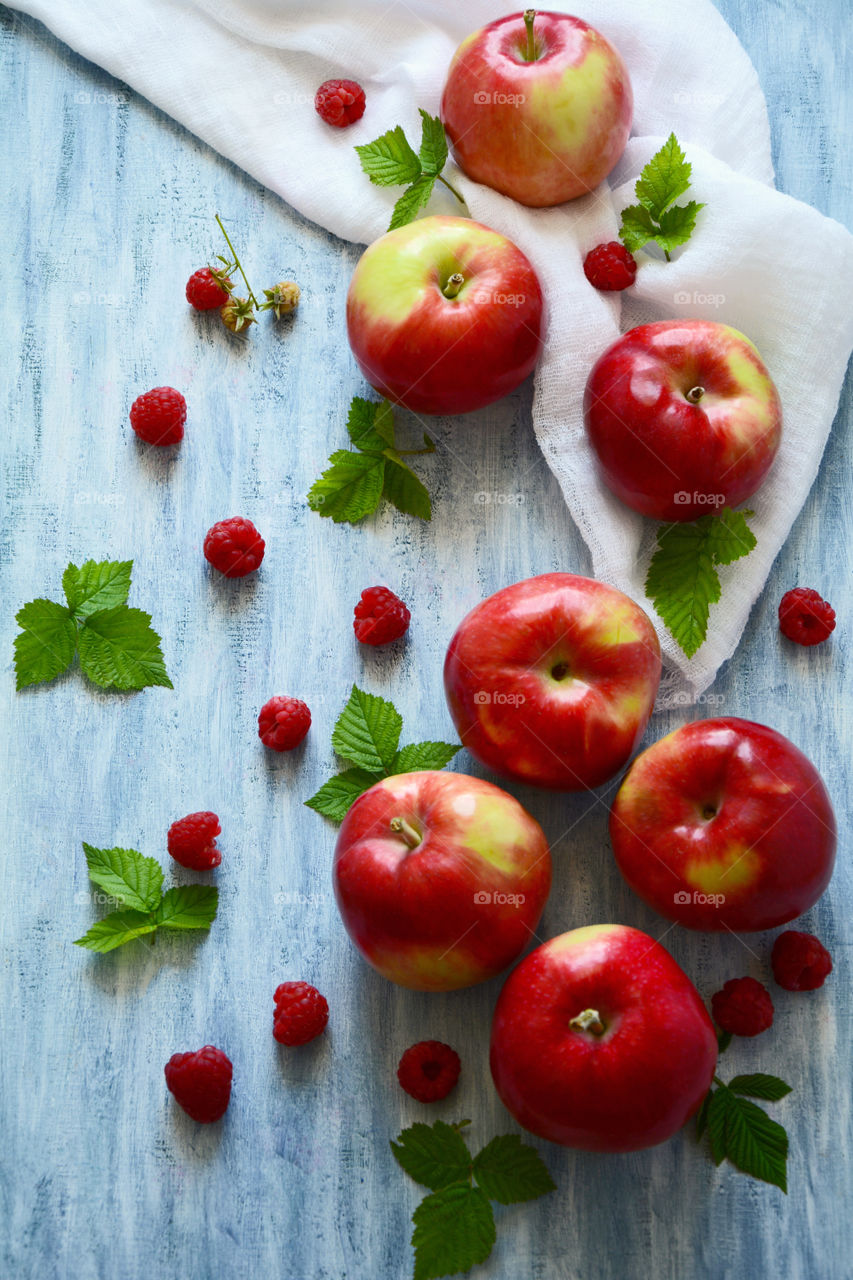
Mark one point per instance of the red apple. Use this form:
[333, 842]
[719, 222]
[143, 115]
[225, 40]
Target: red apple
[440, 879]
[683, 417]
[552, 681]
[724, 824]
[601, 1041]
[444, 315]
[539, 111]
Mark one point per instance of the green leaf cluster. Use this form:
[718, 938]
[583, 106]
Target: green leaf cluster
[390, 161]
[656, 217]
[742, 1132]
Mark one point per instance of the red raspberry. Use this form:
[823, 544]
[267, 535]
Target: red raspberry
[339, 102]
[192, 841]
[158, 416]
[301, 1013]
[201, 1083]
[805, 617]
[610, 267]
[800, 961]
[380, 617]
[204, 292]
[283, 723]
[234, 547]
[743, 1007]
[429, 1070]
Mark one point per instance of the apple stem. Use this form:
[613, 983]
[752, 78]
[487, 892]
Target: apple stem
[450, 187]
[589, 1020]
[453, 285]
[530, 55]
[407, 831]
[695, 394]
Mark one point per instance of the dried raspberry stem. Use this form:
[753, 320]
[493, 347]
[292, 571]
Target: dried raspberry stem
[237, 262]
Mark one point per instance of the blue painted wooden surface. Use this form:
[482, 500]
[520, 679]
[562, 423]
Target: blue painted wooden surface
[106, 208]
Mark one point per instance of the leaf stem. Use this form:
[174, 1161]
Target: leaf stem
[450, 187]
[237, 261]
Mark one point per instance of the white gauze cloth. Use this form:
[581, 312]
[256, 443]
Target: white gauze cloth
[758, 260]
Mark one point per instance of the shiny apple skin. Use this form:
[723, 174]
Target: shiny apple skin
[631, 1087]
[413, 913]
[768, 849]
[434, 354]
[663, 455]
[551, 129]
[567, 733]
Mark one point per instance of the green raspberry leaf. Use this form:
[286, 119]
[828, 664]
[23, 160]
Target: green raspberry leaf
[361, 425]
[454, 1229]
[96, 585]
[126, 875]
[404, 489]
[433, 151]
[188, 906]
[677, 225]
[336, 797]
[424, 755]
[389, 161]
[434, 1155]
[664, 179]
[510, 1171]
[637, 227]
[383, 423]
[717, 1122]
[702, 1115]
[368, 731]
[120, 650]
[771, 1088]
[682, 580]
[46, 644]
[115, 930]
[412, 201]
[350, 488]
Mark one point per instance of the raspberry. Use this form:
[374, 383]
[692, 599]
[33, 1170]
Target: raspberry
[800, 961]
[158, 416]
[234, 547]
[204, 292]
[301, 1013]
[237, 314]
[743, 1007]
[429, 1070]
[380, 617]
[200, 1082]
[192, 841]
[610, 267]
[340, 102]
[282, 298]
[283, 723]
[805, 617]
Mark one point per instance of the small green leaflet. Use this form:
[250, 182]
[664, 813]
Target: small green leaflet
[367, 734]
[390, 161]
[136, 882]
[117, 646]
[455, 1224]
[657, 217]
[353, 484]
[743, 1133]
[682, 580]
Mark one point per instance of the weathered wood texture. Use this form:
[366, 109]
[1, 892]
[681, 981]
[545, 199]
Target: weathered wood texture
[106, 208]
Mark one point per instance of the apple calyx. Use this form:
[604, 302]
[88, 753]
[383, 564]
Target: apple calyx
[695, 394]
[405, 829]
[454, 284]
[530, 54]
[589, 1020]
